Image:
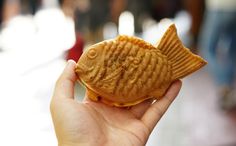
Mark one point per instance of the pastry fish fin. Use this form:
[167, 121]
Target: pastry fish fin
[183, 61]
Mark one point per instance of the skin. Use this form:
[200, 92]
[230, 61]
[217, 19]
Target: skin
[90, 123]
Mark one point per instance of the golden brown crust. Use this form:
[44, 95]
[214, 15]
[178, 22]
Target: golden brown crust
[127, 70]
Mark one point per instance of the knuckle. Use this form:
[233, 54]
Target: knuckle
[157, 111]
[168, 100]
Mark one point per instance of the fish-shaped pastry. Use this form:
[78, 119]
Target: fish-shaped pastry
[127, 70]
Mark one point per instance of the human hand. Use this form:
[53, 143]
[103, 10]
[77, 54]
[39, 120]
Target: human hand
[90, 123]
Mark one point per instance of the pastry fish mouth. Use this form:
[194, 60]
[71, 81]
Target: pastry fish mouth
[82, 68]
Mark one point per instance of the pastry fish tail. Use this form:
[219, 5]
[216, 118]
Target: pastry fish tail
[182, 60]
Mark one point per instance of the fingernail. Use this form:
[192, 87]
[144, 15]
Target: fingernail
[71, 61]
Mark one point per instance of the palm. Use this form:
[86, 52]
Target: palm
[121, 124]
[105, 125]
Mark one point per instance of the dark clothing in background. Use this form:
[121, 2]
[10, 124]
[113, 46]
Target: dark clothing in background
[30, 6]
[95, 17]
[157, 9]
[164, 8]
[1, 11]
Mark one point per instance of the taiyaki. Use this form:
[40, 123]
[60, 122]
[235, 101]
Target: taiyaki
[127, 70]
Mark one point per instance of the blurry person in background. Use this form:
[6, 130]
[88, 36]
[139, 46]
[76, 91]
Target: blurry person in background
[196, 10]
[69, 8]
[155, 9]
[1, 12]
[11, 8]
[30, 6]
[8, 9]
[218, 41]
[116, 8]
[160, 9]
[89, 17]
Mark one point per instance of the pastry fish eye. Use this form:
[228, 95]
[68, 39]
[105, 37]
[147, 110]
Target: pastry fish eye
[92, 53]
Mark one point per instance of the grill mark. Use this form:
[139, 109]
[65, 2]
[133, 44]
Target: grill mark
[149, 84]
[144, 77]
[152, 66]
[137, 74]
[153, 71]
[101, 74]
[176, 53]
[103, 70]
[148, 56]
[119, 49]
[133, 90]
[158, 71]
[175, 49]
[107, 51]
[168, 43]
[136, 41]
[110, 49]
[154, 61]
[111, 54]
[116, 83]
[179, 73]
[162, 42]
[188, 64]
[112, 62]
[109, 45]
[138, 60]
[184, 59]
[132, 52]
[124, 50]
[94, 73]
[149, 70]
[163, 73]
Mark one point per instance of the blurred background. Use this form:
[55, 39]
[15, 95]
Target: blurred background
[38, 36]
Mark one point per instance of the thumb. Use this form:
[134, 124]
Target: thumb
[65, 84]
[157, 109]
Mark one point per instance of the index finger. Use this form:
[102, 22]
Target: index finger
[65, 84]
[157, 109]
